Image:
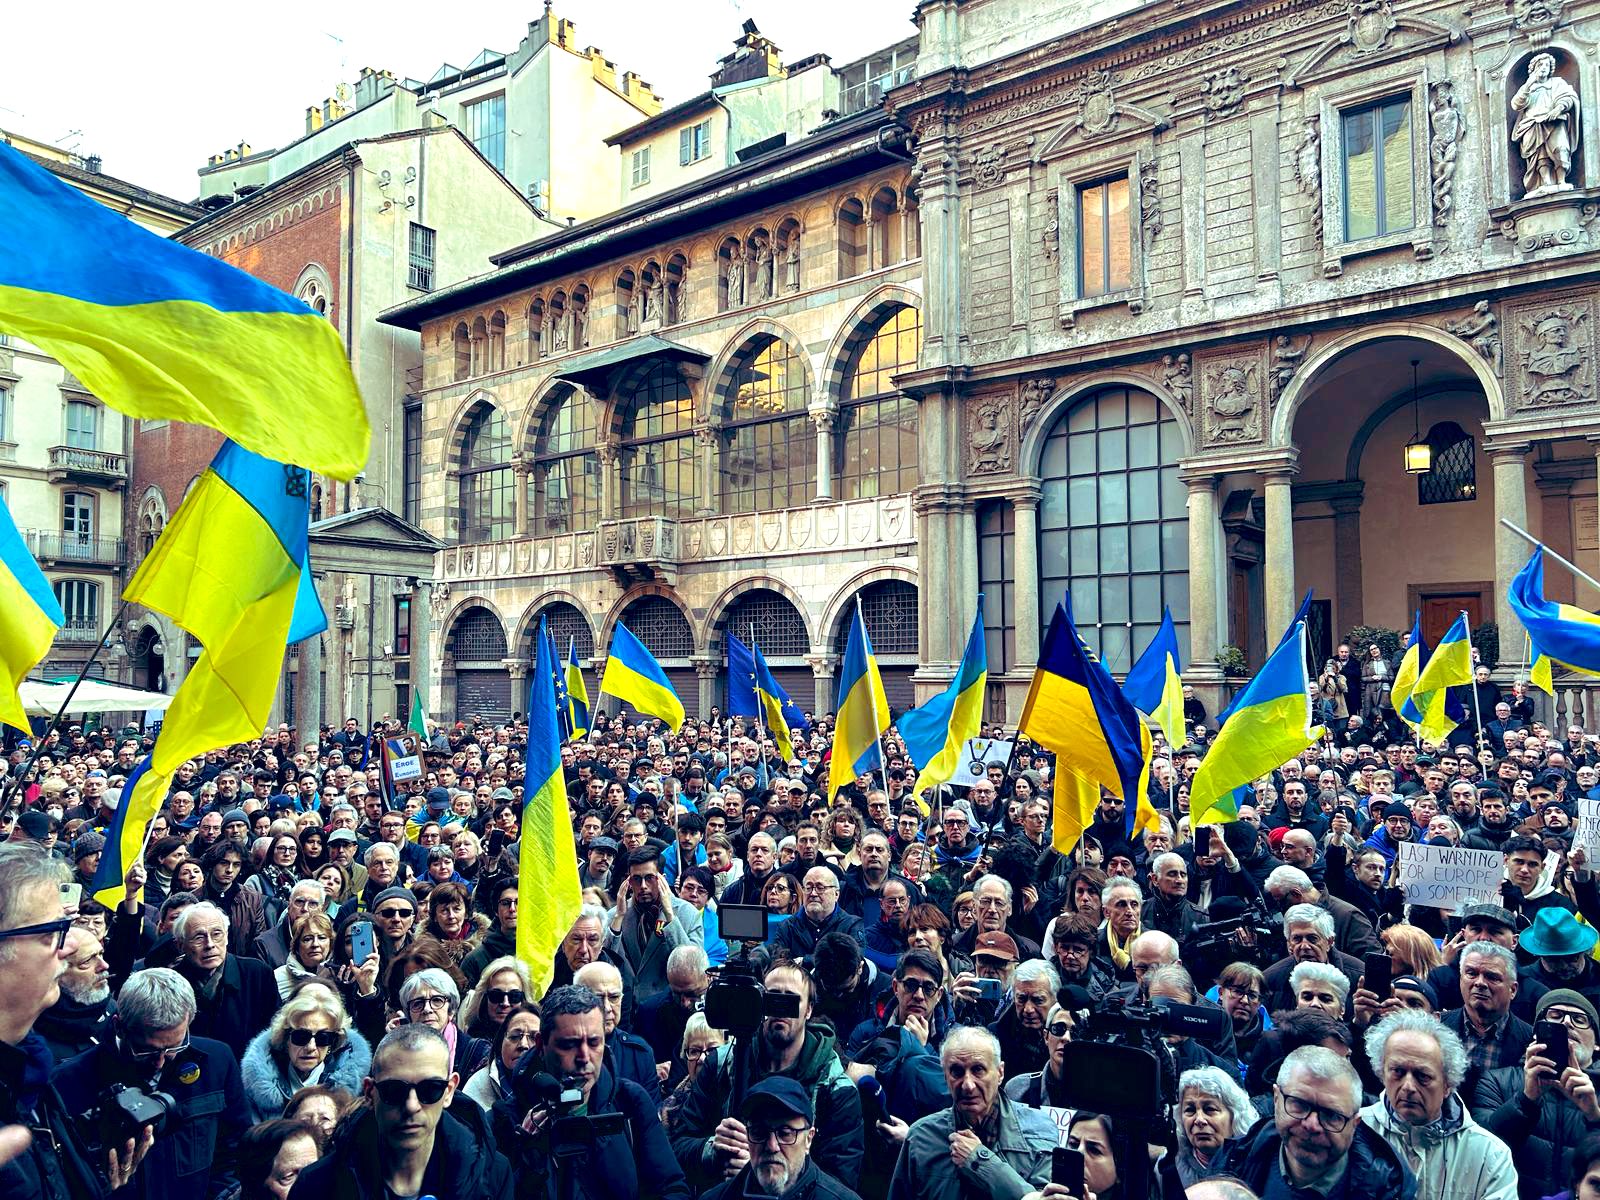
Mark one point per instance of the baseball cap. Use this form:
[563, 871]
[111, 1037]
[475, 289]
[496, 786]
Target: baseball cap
[341, 835]
[996, 945]
[781, 1093]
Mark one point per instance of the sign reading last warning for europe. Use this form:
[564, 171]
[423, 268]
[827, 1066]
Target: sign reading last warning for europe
[1448, 876]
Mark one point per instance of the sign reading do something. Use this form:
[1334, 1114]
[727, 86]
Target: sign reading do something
[1448, 876]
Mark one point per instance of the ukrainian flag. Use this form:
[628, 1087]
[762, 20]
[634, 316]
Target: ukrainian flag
[1561, 635]
[143, 794]
[633, 675]
[862, 712]
[29, 618]
[782, 713]
[1432, 715]
[1155, 685]
[1450, 664]
[1271, 723]
[936, 733]
[547, 866]
[577, 693]
[158, 330]
[1075, 709]
[753, 692]
[232, 569]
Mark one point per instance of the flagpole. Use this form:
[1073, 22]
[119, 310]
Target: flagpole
[761, 723]
[1477, 716]
[1567, 563]
[877, 734]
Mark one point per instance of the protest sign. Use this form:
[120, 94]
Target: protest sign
[977, 757]
[405, 758]
[1448, 876]
[1586, 830]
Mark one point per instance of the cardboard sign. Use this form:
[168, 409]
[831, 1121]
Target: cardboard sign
[405, 758]
[1449, 876]
[977, 756]
[1586, 831]
[1063, 1119]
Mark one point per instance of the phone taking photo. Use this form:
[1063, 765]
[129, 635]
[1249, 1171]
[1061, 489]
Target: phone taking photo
[1066, 1169]
[1378, 972]
[1552, 1035]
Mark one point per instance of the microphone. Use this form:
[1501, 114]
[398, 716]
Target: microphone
[873, 1107]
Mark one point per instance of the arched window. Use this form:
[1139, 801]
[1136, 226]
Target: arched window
[1453, 478]
[851, 234]
[480, 346]
[564, 488]
[1113, 523]
[316, 502]
[477, 643]
[770, 456]
[478, 637]
[657, 452]
[772, 620]
[314, 297]
[536, 331]
[497, 342]
[661, 626]
[487, 512]
[463, 352]
[877, 437]
[887, 227]
[568, 628]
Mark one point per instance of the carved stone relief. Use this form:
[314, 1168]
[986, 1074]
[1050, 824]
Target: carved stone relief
[1178, 376]
[1308, 171]
[1481, 328]
[439, 603]
[1031, 397]
[1149, 202]
[990, 437]
[1552, 354]
[1368, 25]
[987, 165]
[1050, 236]
[1222, 90]
[1287, 355]
[1230, 390]
[1545, 128]
[1446, 128]
[1531, 15]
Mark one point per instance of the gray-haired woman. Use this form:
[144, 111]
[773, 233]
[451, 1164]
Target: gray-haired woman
[1213, 1113]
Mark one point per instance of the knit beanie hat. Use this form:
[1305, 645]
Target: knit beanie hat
[1570, 998]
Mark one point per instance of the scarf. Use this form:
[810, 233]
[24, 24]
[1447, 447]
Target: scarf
[280, 879]
[1119, 949]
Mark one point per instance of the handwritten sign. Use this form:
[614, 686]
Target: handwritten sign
[1063, 1119]
[1586, 831]
[1448, 876]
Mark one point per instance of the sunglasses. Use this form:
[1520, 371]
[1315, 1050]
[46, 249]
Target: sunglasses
[324, 1038]
[504, 996]
[1059, 1029]
[395, 1092]
[920, 987]
[393, 914]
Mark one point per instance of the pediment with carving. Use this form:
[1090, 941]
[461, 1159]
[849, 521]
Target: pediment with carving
[1371, 34]
[1097, 113]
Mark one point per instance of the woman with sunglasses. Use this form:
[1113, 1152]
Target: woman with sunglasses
[504, 984]
[310, 1041]
[513, 1039]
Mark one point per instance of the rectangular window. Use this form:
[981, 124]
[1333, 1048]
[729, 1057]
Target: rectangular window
[77, 517]
[997, 536]
[83, 425]
[80, 604]
[641, 166]
[864, 84]
[422, 241]
[411, 464]
[402, 625]
[1378, 196]
[1104, 248]
[5, 412]
[694, 143]
[486, 129]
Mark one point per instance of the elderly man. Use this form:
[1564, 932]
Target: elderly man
[864, 885]
[1169, 908]
[1123, 905]
[1541, 1108]
[649, 923]
[152, 1049]
[760, 862]
[778, 1115]
[234, 997]
[1421, 1064]
[1493, 1035]
[1020, 1026]
[1047, 1088]
[1352, 931]
[1308, 934]
[1316, 1143]
[627, 1056]
[983, 1144]
[660, 1020]
[820, 914]
[307, 896]
[993, 898]
[81, 1019]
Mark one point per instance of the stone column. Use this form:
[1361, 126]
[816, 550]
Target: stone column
[1025, 578]
[606, 451]
[522, 510]
[1205, 575]
[1278, 481]
[1510, 462]
[1347, 579]
[308, 689]
[706, 670]
[822, 670]
[872, 239]
[709, 439]
[518, 671]
[826, 421]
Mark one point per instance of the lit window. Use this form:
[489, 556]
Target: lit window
[1104, 246]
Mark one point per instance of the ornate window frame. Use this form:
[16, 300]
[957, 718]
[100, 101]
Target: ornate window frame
[1130, 156]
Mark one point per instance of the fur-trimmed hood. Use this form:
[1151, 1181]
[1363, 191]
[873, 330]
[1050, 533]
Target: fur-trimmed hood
[267, 1086]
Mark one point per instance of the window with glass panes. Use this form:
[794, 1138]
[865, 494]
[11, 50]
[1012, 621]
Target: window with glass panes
[487, 484]
[411, 464]
[5, 412]
[769, 457]
[661, 626]
[1113, 523]
[876, 444]
[1453, 477]
[564, 488]
[771, 619]
[1104, 246]
[485, 124]
[80, 604]
[658, 460]
[568, 629]
[77, 515]
[402, 624]
[997, 541]
[1378, 193]
[83, 424]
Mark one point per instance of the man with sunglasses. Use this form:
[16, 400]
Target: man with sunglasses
[152, 1049]
[407, 1144]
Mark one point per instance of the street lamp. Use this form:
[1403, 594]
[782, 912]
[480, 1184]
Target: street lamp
[1419, 455]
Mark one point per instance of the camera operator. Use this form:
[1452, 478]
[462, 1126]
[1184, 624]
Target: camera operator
[634, 1161]
[712, 1144]
[983, 1144]
[36, 940]
[196, 1146]
[778, 1116]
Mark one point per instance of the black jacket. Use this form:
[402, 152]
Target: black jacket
[1375, 1171]
[70, 1028]
[1541, 1134]
[43, 1171]
[799, 937]
[241, 1007]
[464, 1165]
[1515, 1038]
[813, 1184]
[194, 1155]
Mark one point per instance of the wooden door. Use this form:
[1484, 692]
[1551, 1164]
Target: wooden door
[1440, 611]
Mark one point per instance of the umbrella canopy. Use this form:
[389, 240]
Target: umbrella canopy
[45, 699]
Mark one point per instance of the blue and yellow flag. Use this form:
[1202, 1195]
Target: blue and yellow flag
[548, 893]
[1155, 684]
[30, 614]
[158, 330]
[1560, 635]
[633, 675]
[143, 794]
[936, 733]
[1075, 708]
[232, 569]
[861, 712]
[782, 713]
[1433, 716]
[558, 681]
[1450, 664]
[577, 693]
[1271, 723]
[753, 692]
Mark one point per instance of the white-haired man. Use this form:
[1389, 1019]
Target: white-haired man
[1352, 931]
[1422, 1117]
[1308, 937]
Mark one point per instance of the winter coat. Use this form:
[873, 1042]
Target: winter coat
[798, 937]
[812, 1183]
[70, 1027]
[1544, 1133]
[1454, 1158]
[1017, 1163]
[1375, 1170]
[241, 1007]
[42, 1171]
[495, 944]
[269, 1084]
[247, 915]
[648, 956]
[464, 1164]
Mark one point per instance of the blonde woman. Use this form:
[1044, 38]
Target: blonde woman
[310, 1041]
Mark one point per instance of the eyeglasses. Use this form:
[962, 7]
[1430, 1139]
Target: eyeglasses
[394, 914]
[324, 1038]
[1331, 1119]
[504, 996]
[812, 889]
[159, 1055]
[787, 1135]
[920, 987]
[428, 1004]
[1060, 1029]
[1242, 993]
[1569, 1017]
[59, 928]
[697, 1052]
[395, 1092]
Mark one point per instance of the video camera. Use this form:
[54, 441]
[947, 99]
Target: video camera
[122, 1114]
[1117, 1062]
[737, 1001]
[570, 1135]
[1219, 940]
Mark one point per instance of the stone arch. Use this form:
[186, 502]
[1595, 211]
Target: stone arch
[460, 609]
[856, 328]
[547, 394]
[720, 371]
[717, 611]
[608, 627]
[611, 409]
[1396, 403]
[528, 622]
[314, 272]
[1064, 397]
[1305, 380]
[838, 609]
[455, 439]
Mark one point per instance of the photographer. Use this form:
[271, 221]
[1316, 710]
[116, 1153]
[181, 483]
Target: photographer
[195, 1078]
[712, 1144]
[615, 1160]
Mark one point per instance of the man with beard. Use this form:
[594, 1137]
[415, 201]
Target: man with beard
[79, 1020]
[821, 915]
[781, 1127]
[1561, 946]
[712, 1144]
[1496, 824]
[1528, 888]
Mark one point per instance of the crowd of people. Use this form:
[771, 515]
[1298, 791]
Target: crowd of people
[308, 986]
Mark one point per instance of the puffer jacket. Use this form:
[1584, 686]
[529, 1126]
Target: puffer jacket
[1543, 1132]
[1454, 1158]
[268, 1087]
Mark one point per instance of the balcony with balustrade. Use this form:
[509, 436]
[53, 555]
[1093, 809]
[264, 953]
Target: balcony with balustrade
[97, 468]
[72, 550]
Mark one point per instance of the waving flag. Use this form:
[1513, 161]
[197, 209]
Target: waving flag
[936, 733]
[633, 675]
[1432, 715]
[158, 330]
[30, 614]
[1155, 685]
[753, 692]
[1450, 664]
[143, 794]
[577, 693]
[862, 712]
[1562, 635]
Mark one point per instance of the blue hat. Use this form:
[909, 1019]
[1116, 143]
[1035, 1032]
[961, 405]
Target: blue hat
[1555, 931]
[438, 798]
[280, 802]
[779, 1091]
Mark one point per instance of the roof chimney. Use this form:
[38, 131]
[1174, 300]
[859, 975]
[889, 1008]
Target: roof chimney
[92, 164]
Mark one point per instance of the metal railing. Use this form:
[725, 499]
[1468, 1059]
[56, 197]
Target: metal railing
[72, 547]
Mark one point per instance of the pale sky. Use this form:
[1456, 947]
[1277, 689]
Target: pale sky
[155, 89]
